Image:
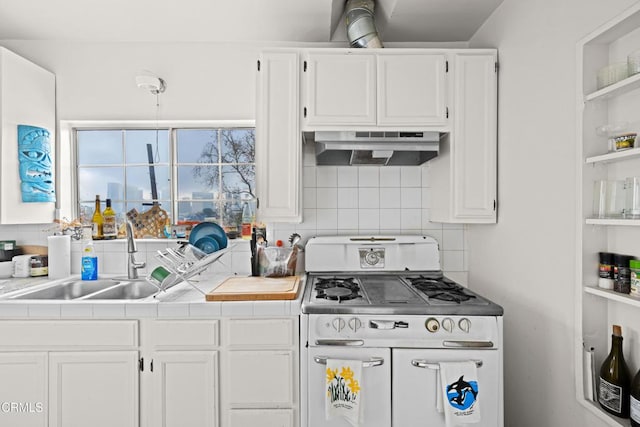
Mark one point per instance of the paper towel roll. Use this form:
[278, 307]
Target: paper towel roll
[59, 256]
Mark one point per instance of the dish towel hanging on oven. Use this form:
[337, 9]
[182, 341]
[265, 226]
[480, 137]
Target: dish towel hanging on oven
[460, 392]
[344, 390]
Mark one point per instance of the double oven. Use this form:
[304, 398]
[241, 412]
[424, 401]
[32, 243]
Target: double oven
[384, 301]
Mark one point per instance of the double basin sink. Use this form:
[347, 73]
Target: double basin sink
[74, 289]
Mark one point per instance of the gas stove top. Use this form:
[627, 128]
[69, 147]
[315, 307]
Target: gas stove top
[384, 275]
[384, 293]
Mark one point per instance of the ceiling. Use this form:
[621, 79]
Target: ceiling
[235, 20]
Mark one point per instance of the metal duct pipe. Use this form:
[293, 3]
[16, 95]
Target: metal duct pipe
[361, 26]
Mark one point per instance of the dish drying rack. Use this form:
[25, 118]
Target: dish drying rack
[184, 263]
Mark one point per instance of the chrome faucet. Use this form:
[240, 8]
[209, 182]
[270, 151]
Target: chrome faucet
[132, 264]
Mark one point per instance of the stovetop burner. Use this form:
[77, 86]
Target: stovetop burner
[440, 289]
[337, 289]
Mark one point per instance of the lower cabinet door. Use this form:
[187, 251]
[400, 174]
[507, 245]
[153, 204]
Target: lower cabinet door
[261, 417]
[23, 389]
[97, 389]
[184, 387]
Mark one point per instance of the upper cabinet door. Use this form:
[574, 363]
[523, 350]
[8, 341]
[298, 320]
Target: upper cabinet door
[411, 89]
[341, 89]
[474, 139]
[278, 140]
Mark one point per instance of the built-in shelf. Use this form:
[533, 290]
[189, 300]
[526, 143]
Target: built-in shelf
[623, 86]
[618, 155]
[609, 419]
[612, 221]
[612, 295]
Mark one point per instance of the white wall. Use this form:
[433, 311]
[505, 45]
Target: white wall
[526, 262]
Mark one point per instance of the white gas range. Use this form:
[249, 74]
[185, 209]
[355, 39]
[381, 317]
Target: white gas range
[383, 300]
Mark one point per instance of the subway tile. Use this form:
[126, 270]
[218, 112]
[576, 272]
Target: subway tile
[426, 174]
[369, 219]
[411, 176]
[309, 198]
[347, 219]
[390, 198]
[452, 240]
[326, 176]
[44, 310]
[427, 224]
[237, 308]
[11, 309]
[205, 309]
[411, 219]
[347, 176]
[142, 309]
[426, 197]
[327, 219]
[309, 176]
[270, 308]
[80, 309]
[309, 220]
[411, 198]
[369, 232]
[389, 219]
[173, 310]
[452, 260]
[107, 309]
[368, 176]
[327, 198]
[347, 197]
[390, 176]
[368, 198]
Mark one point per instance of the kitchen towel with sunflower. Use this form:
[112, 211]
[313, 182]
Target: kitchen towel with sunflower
[344, 384]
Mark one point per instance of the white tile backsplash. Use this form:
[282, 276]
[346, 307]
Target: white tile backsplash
[347, 198]
[326, 176]
[347, 176]
[327, 198]
[369, 198]
[390, 176]
[369, 176]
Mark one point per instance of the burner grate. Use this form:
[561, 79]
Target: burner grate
[440, 289]
[337, 289]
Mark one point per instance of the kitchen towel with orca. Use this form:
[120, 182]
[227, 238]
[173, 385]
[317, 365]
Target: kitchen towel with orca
[459, 381]
[344, 390]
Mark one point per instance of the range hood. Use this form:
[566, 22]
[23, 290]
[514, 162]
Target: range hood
[339, 148]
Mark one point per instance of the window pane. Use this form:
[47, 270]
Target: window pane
[198, 210]
[197, 145]
[197, 182]
[238, 145]
[139, 183]
[106, 182]
[240, 180]
[136, 142]
[232, 214]
[99, 147]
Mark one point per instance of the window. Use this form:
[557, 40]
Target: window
[193, 174]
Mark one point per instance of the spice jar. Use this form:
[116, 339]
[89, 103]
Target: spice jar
[605, 270]
[622, 273]
[634, 265]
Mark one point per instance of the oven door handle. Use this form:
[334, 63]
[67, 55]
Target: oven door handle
[341, 343]
[435, 365]
[467, 344]
[374, 361]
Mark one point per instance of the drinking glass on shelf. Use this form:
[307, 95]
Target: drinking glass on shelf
[609, 199]
[632, 197]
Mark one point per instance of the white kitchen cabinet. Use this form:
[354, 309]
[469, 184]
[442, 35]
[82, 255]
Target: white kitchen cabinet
[596, 308]
[411, 89]
[346, 88]
[185, 389]
[464, 175]
[98, 389]
[278, 139]
[262, 418]
[24, 375]
[27, 97]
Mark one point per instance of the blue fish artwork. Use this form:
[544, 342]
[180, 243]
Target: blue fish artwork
[34, 155]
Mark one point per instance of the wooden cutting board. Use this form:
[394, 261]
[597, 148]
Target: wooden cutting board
[255, 289]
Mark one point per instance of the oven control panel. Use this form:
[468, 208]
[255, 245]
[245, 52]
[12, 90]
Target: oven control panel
[371, 258]
[416, 331]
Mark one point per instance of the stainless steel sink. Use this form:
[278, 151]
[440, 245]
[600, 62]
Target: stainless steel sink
[68, 290]
[127, 290]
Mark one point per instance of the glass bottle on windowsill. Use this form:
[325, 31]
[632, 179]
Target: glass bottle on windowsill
[109, 226]
[97, 221]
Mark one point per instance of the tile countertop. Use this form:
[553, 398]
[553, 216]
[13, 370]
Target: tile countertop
[181, 300]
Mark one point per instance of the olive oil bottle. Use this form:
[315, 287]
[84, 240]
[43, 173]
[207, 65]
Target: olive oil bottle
[615, 380]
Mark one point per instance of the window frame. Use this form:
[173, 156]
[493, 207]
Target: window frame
[67, 168]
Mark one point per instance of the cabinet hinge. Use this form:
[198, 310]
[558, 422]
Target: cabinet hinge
[304, 66]
[447, 112]
[151, 366]
[141, 364]
[446, 66]
[258, 203]
[494, 204]
[304, 112]
[497, 67]
[258, 65]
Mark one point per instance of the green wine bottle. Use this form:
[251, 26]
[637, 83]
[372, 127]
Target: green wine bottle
[615, 380]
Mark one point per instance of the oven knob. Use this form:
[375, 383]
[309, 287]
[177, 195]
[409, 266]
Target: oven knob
[338, 324]
[448, 324]
[432, 324]
[465, 324]
[355, 324]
